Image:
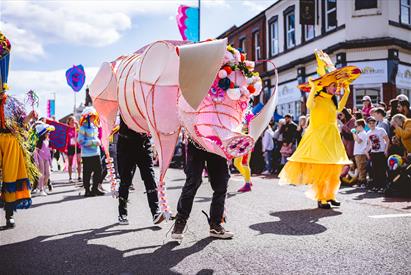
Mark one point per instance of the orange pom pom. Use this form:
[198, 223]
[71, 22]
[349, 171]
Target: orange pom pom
[228, 69]
[231, 85]
[251, 89]
[242, 57]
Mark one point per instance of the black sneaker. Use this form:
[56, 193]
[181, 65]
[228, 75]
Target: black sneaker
[324, 205]
[89, 193]
[10, 223]
[158, 218]
[218, 231]
[97, 192]
[50, 186]
[122, 219]
[178, 229]
[334, 202]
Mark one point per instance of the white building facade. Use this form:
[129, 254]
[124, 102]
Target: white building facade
[374, 35]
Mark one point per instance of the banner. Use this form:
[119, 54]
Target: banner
[59, 137]
[188, 23]
[51, 107]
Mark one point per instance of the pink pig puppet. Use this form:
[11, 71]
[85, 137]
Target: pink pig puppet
[203, 87]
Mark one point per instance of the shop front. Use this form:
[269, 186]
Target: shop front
[289, 99]
[403, 80]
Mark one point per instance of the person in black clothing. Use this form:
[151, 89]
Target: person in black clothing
[134, 149]
[218, 177]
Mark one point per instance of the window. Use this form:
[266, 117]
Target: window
[405, 12]
[330, 14]
[257, 49]
[274, 37]
[242, 45]
[309, 32]
[366, 4]
[290, 29]
[373, 92]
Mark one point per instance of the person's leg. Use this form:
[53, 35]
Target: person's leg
[194, 169]
[42, 178]
[96, 168]
[87, 170]
[126, 167]
[78, 165]
[46, 172]
[381, 170]
[70, 166]
[219, 176]
[145, 165]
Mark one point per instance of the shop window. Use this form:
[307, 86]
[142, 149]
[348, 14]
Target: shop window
[274, 37]
[289, 28]
[373, 93]
[405, 12]
[330, 14]
[366, 4]
[406, 92]
[257, 48]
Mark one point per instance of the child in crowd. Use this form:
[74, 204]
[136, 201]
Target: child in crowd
[377, 146]
[42, 155]
[360, 153]
[90, 151]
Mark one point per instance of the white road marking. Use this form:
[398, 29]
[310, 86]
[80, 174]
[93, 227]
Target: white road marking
[390, 216]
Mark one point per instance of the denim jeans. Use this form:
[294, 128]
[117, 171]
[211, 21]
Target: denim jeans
[268, 159]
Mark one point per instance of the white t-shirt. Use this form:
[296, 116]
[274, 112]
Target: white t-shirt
[360, 148]
[376, 140]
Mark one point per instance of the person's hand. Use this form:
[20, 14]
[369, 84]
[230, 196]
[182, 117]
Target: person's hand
[33, 114]
[368, 156]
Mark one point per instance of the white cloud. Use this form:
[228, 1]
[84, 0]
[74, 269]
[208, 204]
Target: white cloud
[257, 5]
[24, 44]
[45, 84]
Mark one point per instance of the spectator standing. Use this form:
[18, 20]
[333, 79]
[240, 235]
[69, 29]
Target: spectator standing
[402, 126]
[348, 124]
[366, 106]
[377, 150]
[289, 132]
[268, 147]
[382, 122]
[73, 148]
[302, 125]
[404, 108]
[360, 147]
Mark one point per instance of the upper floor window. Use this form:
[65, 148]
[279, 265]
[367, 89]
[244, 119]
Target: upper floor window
[405, 12]
[309, 32]
[242, 45]
[330, 14]
[257, 48]
[290, 29]
[274, 37]
[366, 4]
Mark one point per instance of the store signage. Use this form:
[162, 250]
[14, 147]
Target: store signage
[288, 92]
[307, 12]
[373, 72]
[403, 79]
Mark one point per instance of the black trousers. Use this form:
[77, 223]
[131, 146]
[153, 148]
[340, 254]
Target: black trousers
[218, 176]
[91, 166]
[132, 152]
[379, 169]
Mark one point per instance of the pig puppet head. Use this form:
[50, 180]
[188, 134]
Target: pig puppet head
[216, 124]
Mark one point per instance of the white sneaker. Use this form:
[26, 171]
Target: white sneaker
[43, 193]
[266, 173]
[34, 191]
[122, 219]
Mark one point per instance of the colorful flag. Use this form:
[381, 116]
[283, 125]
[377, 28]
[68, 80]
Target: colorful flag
[76, 77]
[59, 137]
[188, 23]
[51, 107]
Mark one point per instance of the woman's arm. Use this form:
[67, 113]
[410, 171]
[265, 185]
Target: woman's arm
[310, 99]
[344, 99]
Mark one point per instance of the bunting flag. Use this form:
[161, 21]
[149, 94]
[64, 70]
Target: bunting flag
[51, 107]
[188, 23]
[59, 137]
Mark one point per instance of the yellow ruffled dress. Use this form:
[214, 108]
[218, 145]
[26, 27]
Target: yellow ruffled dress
[320, 156]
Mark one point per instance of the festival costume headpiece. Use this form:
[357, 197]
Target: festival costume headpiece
[5, 48]
[87, 114]
[328, 74]
[43, 128]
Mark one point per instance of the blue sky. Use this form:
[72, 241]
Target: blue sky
[48, 37]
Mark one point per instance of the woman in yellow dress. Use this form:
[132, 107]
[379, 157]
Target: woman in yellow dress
[320, 156]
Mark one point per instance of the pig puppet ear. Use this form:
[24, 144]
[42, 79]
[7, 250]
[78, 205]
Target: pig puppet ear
[199, 65]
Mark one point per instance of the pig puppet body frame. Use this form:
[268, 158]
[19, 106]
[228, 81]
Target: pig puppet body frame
[168, 85]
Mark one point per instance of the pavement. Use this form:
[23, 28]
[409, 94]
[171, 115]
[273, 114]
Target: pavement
[277, 231]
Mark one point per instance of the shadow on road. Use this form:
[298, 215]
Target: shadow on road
[297, 222]
[74, 254]
[64, 199]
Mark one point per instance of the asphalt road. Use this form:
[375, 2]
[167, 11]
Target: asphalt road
[277, 231]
